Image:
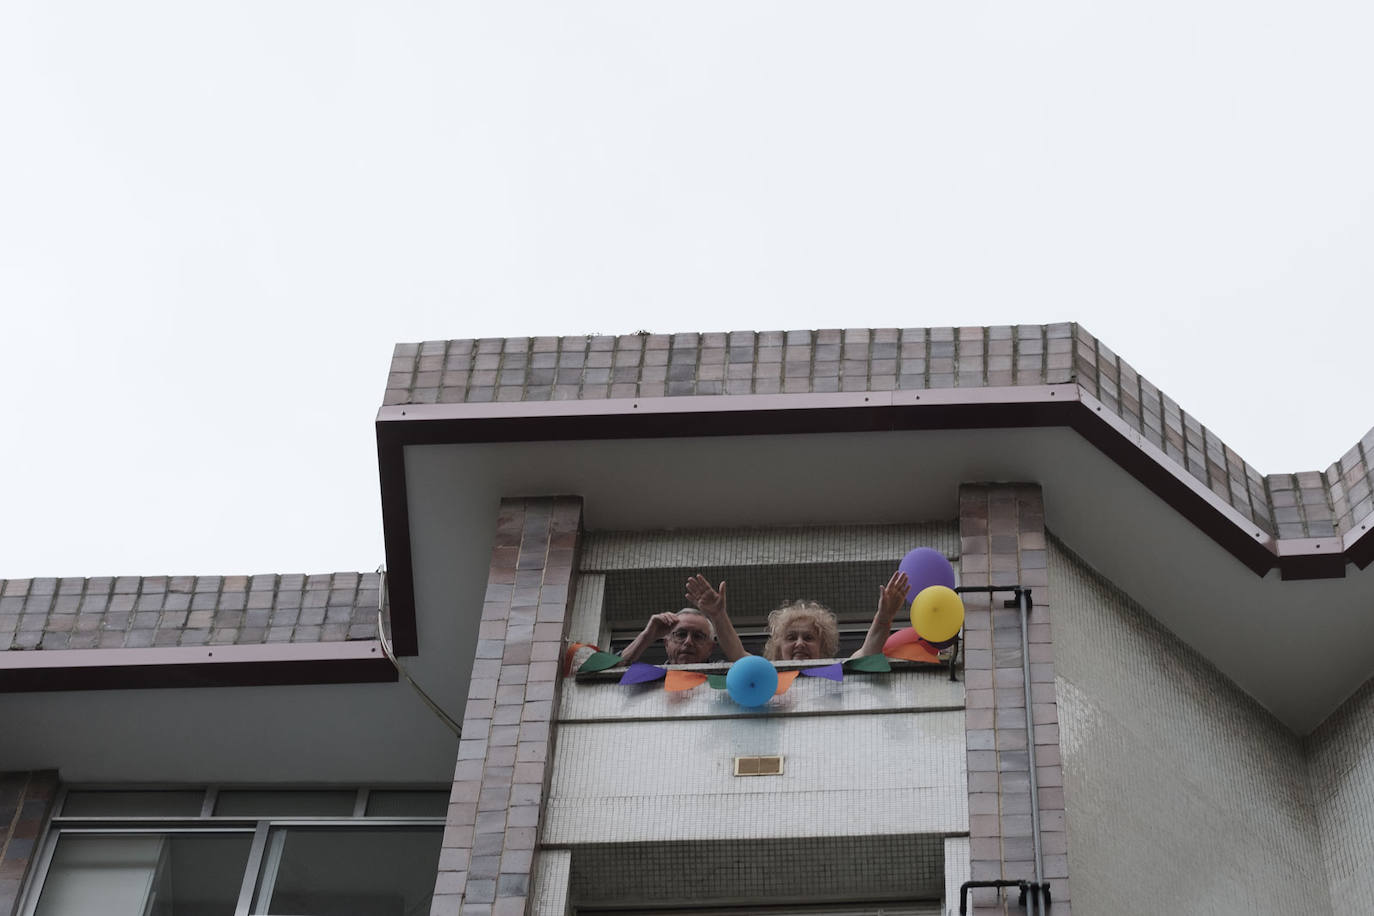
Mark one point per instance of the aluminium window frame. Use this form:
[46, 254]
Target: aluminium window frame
[206, 823]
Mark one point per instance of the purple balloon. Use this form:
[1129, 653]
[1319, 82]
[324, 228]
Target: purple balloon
[924, 567]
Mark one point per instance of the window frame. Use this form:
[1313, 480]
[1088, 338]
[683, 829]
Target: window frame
[207, 822]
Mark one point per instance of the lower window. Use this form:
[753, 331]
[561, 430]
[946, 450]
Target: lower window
[234, 852]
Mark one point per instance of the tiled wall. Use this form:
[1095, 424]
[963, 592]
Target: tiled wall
[138, 612]
[805, 870]
[25, 799]
[956, 872]
[499, 783]
[1183, 795]
[612, 550]
[901, 691]
[839, 566]
[740, 362]
[888, 772]
[873, 780]
[1340, 759]
[1002, 534]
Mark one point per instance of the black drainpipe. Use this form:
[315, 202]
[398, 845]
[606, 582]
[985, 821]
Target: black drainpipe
[1025, 886]
[1023, 602]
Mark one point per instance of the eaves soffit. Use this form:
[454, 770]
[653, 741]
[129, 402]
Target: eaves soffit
[1308, 524]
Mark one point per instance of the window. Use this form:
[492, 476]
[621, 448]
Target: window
[929, 908]
[239, 851]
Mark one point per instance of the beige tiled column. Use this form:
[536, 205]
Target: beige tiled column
[500, 781]
[1002, 531]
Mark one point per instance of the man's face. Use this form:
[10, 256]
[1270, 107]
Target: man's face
[801, 640]
[689, 642]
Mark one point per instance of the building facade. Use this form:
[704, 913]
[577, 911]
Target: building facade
[1160, 702]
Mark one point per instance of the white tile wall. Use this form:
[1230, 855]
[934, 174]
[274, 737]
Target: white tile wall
[605, 550]
[585, 623]
[1183, 795]
[552, 869]
[956, 871]
[1341, 766]
[643, 795]
[900, 773]
[761, 872]
[858, 692]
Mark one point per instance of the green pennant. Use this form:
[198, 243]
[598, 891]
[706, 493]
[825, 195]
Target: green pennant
[868, 663]
[599, 661]
[717, 681]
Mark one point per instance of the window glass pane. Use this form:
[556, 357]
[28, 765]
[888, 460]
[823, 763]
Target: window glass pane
[408, 803]
[174, 874]
[929, 908]
[133, 804]
[328, 872]
[278, 803]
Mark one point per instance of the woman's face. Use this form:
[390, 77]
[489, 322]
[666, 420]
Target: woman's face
[801, 640]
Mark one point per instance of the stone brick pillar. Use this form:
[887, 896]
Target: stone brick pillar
[1002, 530]
[501, 779]
[25, 802]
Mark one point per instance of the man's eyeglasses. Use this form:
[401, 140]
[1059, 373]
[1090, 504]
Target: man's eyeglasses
[690, 636]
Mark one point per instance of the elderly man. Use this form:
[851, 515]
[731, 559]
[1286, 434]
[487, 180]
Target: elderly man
[690, 635]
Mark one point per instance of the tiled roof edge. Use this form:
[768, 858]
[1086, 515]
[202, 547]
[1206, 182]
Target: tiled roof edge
[1306, 505]
[162, 611]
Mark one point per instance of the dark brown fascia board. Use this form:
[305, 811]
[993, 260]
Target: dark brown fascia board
[1066, 405]
[398, 587]
[1311, 558]
[1359, 546]
[360, 661]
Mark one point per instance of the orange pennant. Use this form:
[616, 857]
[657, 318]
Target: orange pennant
[683, 680]
[785, 679]
[914, 652]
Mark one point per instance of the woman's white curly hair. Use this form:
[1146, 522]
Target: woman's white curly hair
[820, 616]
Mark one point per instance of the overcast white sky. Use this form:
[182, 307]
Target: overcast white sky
[216, 219]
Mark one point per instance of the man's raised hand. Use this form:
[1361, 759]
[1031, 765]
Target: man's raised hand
[708, 600]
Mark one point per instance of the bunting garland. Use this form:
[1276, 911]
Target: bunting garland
[599, 661]
[937, 616]
[640, 673]
[900, 646]
[676, 679]
[683, 680]
[785, 679]
[868, 663]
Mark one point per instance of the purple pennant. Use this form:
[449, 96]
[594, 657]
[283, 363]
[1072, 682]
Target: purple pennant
[640, 673]
[834, 672]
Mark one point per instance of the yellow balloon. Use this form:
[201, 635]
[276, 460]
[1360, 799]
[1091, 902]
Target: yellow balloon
[937, 613]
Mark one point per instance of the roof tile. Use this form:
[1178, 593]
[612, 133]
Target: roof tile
[169, 613]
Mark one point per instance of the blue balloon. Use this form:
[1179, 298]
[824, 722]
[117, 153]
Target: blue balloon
[924, 567]
[751, 681]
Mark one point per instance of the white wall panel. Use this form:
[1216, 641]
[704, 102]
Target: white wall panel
[1182, 794]
[913, 690]
[898, 773]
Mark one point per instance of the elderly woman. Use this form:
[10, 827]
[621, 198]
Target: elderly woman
[808, 629]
